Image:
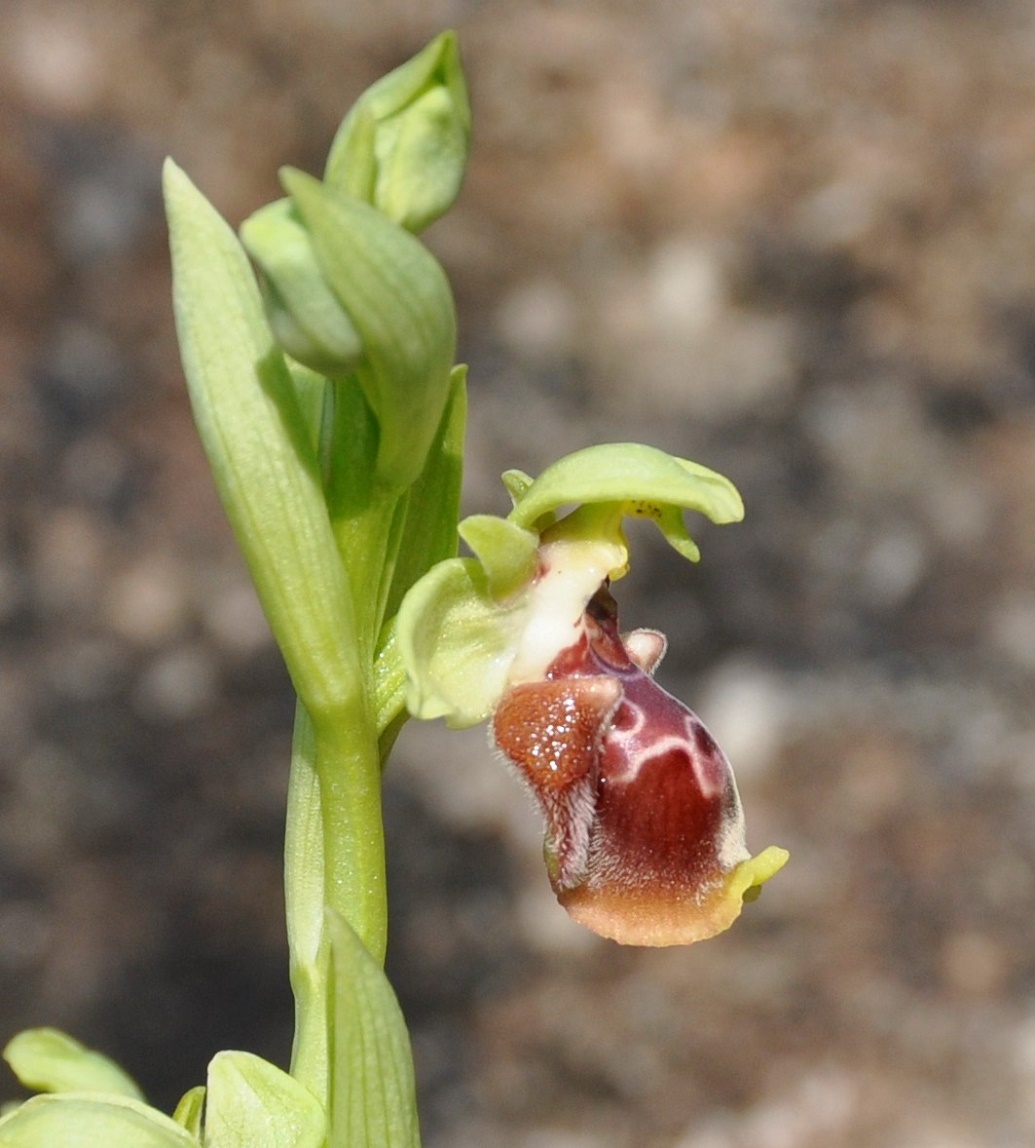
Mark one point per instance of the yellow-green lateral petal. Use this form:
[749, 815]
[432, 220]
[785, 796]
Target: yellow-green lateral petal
[507, 553]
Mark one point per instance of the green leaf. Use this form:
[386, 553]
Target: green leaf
[86, 1120]
[304, 889]
[253, 1104]
[190, 1112]
[404, 145]
[373, 1099]
[640, 480]
[259, 444]
[456, 643]
[398, 298]
[47, 1060]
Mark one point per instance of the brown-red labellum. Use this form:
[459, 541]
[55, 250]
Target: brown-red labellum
[643, 822]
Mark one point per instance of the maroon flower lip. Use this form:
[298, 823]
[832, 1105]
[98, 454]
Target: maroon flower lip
[644, 829]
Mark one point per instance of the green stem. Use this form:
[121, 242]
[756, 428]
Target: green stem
[348, 768]
[334, 858]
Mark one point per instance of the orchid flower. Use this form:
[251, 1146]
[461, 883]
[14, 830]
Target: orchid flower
[645, 840]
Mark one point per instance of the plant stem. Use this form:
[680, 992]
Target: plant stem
[348, 769]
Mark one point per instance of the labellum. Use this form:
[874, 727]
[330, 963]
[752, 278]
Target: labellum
[644, 829]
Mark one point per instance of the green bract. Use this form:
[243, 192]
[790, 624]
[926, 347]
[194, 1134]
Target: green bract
[304, 314]
[464, 623]
[399, 299]
[372, 1091]
[252, 426]
[403, 147]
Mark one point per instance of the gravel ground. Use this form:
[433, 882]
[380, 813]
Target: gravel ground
[794, 241]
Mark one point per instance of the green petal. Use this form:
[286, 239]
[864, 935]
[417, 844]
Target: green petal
[517, 483]
[373, 1096]
[47, 1060]
[77, 1120]
[640, 480]
[456, 643]
[508, 554]
[251, 1103]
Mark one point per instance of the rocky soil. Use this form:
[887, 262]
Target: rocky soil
[792, 240]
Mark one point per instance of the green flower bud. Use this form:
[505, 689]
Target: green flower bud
[306, 318]
[403, 147]
[346, 291]
[397, 299]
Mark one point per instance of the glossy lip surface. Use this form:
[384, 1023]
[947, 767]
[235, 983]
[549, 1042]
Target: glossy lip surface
[645, 833]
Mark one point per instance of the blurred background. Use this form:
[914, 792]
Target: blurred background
[792, 240]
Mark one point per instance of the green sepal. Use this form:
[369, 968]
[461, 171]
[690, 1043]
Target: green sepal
[640, 481]
[251, 1103]
[190, 1111]
[258, 439]
[399, 301]
[47, 1060]
[456, 643]
[404, 145]
[508, 554]
[373, 1095]
[81, 1119]
[304, 314]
